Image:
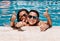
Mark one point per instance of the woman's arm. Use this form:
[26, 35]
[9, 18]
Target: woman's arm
[12, 23]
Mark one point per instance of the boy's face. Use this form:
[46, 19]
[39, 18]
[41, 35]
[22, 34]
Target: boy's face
[32, 18]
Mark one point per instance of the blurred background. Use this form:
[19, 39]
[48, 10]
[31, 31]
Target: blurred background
[8, 7]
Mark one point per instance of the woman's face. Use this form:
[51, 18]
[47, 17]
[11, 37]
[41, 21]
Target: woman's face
[32, 18]
[23, 15]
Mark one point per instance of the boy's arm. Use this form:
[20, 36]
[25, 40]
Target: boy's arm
[49, 22]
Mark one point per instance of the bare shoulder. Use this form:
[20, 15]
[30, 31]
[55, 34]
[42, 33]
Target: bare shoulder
[41, 22]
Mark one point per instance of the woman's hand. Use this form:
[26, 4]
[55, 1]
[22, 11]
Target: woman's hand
[13, 17]
[20, 24]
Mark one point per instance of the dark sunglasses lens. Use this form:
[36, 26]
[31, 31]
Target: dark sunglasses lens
[30, 16]
[34, 17]
[24, 15]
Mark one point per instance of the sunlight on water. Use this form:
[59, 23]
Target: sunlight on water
[8, 7]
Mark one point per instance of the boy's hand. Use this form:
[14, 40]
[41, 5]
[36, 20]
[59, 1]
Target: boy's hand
[44, 27]
[46, 13]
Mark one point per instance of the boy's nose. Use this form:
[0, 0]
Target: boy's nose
[31, 17]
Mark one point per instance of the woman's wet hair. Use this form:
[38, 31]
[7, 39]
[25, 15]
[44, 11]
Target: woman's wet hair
[35, 12]
[19, 13]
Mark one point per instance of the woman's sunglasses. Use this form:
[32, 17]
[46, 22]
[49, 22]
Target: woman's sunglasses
[34, 17]
[24, 15]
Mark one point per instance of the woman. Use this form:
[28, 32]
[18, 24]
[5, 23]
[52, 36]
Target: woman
[21, 16]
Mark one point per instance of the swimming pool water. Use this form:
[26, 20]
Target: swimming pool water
[7, 8]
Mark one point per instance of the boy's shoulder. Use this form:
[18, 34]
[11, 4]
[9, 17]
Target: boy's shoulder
[41, 22]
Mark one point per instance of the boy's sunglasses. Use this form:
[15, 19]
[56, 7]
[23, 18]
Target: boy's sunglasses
[34, 17]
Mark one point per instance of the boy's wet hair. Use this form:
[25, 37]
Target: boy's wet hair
[35, 12]
[19, 13]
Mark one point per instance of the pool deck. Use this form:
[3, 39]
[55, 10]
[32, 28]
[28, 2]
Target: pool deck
[30, 34]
